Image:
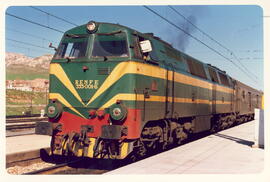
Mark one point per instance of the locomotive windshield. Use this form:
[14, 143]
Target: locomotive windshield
[110, 45]
[71, 48]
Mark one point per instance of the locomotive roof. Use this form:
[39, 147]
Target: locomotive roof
[107, 27]
[83, 30]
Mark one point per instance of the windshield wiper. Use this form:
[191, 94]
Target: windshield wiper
[76, 36]
[69, 58]
[111, 33]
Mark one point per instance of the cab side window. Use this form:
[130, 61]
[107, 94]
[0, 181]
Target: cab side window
[145, 55]
[137, 49]
[149, 56]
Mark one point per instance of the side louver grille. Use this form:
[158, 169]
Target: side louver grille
[104, 71]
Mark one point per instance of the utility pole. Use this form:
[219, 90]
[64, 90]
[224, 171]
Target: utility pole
[46, 91]
[31, 106]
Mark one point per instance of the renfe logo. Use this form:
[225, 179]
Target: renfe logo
[86, 84]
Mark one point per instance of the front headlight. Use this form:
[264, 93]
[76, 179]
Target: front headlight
[118, 112]
[92, 26]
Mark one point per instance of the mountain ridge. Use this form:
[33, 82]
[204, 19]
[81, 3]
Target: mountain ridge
[20, 59]
[21, 67]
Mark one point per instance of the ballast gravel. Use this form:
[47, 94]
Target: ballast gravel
[26, 169]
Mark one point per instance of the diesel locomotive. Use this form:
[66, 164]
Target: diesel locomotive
[116, 93]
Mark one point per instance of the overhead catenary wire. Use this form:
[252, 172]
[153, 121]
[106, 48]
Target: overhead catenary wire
[204, 33]
[28, 55]
[49, 14]
[245, 51]
[35, 23]
[25, 48]
[214, 40]
[195, 38]
[31, 35]
[30, 50]
[26, 43]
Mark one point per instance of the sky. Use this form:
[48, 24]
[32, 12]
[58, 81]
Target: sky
[233, 32]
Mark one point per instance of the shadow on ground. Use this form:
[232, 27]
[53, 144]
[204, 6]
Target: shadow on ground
[238, 140]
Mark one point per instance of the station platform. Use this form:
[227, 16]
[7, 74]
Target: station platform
[227, 152]
[25, 148]
[18, 133]
[18, 144]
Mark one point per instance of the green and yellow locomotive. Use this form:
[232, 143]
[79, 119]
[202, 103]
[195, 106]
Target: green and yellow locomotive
[116, 92]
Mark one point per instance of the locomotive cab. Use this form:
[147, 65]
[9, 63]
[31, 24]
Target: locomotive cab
[91, 96]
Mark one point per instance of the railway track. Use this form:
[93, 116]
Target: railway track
[17, 126]
[65, 168]
[74, 165]
[37, 161]
[25, 119]
[23, 123]
[11, 133]
[53, 169]
[26, 158]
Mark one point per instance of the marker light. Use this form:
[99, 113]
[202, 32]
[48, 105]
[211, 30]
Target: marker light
[100, 114]
[92, 113]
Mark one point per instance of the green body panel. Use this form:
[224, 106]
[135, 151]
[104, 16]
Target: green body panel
[76, 73]
[127, 84]
[157, 109]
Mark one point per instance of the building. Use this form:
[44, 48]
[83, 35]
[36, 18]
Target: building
[37, 85]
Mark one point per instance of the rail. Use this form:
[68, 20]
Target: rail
[25, 119]
[26, 157]
[67, 168]
[52, 169]
[23, 116]
[23, 123]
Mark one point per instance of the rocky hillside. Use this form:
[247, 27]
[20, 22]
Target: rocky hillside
[19, 66]
[20, 59]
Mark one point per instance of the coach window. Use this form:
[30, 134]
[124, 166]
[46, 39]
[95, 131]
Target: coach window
[223, 79]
